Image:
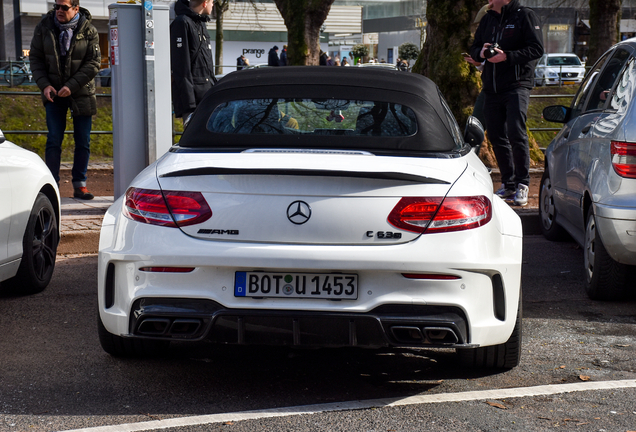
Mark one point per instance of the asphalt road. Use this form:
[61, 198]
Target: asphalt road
[55, 376]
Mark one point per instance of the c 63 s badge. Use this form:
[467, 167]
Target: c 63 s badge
[218, 232]
[384, 234]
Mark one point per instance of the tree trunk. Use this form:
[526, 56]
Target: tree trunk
[303, 19]
[220, 7]
[448, 34]
[605, 16]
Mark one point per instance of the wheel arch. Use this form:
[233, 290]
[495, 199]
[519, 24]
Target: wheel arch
[51, 194]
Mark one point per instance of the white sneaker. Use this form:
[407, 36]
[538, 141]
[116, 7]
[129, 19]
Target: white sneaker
[504, 193]
[521, 196]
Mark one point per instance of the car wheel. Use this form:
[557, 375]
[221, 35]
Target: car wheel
[118, 346]
[606, 279]
[14, 76]
[502, 356]
[39, 247]
[547, 211]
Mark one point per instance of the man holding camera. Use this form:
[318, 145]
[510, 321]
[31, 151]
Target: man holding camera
[509, 38]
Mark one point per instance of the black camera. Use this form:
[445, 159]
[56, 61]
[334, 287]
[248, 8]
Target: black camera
[490, 51]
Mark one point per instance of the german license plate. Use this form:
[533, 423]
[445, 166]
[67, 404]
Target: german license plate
[297, 285]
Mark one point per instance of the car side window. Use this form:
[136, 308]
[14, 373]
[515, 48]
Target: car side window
[623, 92]
[586, 87]
[607, 79]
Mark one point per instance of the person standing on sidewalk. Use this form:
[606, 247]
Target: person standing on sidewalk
[190, 55]
[65, 59]
[282, 61]
[272, 57]
[507, 78]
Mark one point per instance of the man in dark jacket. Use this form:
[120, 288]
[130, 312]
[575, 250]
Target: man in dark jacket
[283, 56]
[64, 59]
[272, 58]
[242, 62]
[507, 77]
[190, 55]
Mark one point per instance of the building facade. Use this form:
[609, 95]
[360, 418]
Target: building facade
[383, 25]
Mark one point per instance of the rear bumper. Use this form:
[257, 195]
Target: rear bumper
[384, 326]
[484, 295]
[617, 228]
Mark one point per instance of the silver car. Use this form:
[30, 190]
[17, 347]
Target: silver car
[589, 186]
[558, 68]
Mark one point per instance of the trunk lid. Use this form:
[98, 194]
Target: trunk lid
[321, 198]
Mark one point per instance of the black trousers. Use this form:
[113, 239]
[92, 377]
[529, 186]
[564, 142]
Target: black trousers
[506, 115]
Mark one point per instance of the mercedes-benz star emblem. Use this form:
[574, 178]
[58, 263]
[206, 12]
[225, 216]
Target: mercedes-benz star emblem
[298, 212]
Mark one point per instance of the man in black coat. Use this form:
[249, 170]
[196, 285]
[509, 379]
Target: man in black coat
[272, 58]
[242, 62]
[65, 58]
[283, 56]
[507, 77]
[190, 55]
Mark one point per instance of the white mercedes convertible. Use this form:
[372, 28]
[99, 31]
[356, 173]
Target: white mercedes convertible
[316, 207]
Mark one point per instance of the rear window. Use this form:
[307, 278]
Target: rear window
[313, 117]
[564, 61]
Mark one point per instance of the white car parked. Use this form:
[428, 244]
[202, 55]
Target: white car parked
[559, 67]
[316, 207]
[29, 220]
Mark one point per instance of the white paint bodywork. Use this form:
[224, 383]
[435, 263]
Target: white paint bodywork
[271, 243]
[23, 175]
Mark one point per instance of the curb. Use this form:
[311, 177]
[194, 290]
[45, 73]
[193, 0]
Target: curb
[530, 221]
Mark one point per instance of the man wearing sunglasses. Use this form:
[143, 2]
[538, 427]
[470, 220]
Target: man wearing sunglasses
[65, 58]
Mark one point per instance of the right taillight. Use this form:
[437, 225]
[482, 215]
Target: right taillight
[166, 208]
[624, 158]
[435, 215]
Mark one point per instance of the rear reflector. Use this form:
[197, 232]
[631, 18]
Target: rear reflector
[434, 215]
[624, 158]
[167, 269]
[166, 208]
[430, 276]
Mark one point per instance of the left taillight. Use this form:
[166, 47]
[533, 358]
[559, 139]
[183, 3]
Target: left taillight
[436, 214]
[166, 208]
[624, 158]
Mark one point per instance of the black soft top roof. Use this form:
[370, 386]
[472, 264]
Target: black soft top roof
[373, 84]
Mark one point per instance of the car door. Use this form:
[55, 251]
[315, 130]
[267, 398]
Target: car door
[570, 136]
[579, 157]
[5, 207]
[609, 128]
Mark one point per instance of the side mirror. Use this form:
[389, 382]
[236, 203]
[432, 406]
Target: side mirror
[473, 132]
[2, 138]
[556, 113]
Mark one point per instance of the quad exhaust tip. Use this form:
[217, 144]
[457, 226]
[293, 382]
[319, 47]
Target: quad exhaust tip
[424, 335]
[166, 327]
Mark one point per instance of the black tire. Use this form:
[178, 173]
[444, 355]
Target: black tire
[547, 211]
[14, 73]
[118, 346]
[606, 279]
[39, 247]
[504, 356]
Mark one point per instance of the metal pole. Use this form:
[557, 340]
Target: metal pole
[148, 25]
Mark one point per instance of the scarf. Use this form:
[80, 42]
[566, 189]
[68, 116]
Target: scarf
[66, 33]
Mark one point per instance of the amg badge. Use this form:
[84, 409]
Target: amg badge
[218, 231]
